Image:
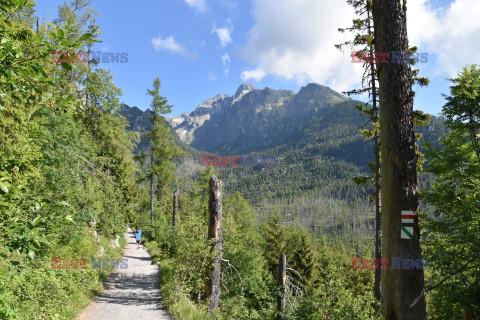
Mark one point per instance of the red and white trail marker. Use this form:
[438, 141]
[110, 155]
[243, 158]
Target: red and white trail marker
[407, 216]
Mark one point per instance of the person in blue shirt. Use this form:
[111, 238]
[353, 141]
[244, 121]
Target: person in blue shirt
[138, 237]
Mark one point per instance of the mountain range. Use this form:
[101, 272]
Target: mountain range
[313, 131]
[253, 119]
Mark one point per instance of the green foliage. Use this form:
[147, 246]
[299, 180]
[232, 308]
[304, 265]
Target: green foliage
[341, 292]
[40, 291]
[452, 230]
[336, 299]
[162, 148]
[178, 302]
[249, 296]
[461, 110]
[249, 265]
[274, 243]
[305, 263]
[65, 165]
[67, 173]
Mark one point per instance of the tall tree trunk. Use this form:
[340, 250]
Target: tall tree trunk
[215, 232]
[402, 290]
[376, 151]
[378, 217]
[282, 279]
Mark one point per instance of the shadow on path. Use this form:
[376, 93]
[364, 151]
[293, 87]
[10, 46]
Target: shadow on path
[130, 293]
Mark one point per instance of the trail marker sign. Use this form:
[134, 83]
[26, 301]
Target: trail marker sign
[406, 233]
[407, 216]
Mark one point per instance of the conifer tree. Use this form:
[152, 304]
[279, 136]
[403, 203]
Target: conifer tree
[402, 290]
[162, 147]
[274, 241]
[364, 39]
[305, 263]
[452, 230]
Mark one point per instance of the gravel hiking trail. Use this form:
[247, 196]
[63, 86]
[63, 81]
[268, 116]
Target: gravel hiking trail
[131, 293]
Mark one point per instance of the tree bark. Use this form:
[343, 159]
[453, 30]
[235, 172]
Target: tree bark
[215, 232]
[282, 278]
[402, 289]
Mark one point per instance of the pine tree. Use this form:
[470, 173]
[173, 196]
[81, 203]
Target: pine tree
[364, 39]
[305, 263]
[402, 290]
[162, 147]
[274, 243]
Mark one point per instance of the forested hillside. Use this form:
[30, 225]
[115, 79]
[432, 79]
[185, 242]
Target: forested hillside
[293, 240]
[322, 150]
[321, 155]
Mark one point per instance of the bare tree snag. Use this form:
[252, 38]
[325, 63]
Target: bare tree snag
[282, 279]
[175, 208]
[402, 289]
[152, 191]
[215, 232]
[377, 173]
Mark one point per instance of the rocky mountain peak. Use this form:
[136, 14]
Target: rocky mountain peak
[243, 89]
[314, 89]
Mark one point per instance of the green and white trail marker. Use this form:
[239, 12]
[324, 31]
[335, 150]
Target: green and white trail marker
[406, 233]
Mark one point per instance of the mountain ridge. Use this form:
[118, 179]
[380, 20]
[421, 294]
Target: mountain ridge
[226, 124]
[313, 131]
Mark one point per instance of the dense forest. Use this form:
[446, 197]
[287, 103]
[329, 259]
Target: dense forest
[74, 173]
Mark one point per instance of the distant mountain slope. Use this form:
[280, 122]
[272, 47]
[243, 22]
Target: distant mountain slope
[313, 133]
[139, 122]
[252, 120]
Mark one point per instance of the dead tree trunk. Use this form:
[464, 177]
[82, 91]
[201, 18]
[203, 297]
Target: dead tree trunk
[376, 175]
[175, 208]
[378, 209]
[402, 289]
[152, 194]
[282, 279]
[215, 232]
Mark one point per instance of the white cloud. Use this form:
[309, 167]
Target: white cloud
[224, 34]
[200, 5]
[451, 32]
[256, 74]
[169, 44]
[212, 76]
[296, 40]
[231, 5]
[225, 59]
[226, 63]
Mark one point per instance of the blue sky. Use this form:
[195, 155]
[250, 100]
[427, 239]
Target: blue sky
[199, 48]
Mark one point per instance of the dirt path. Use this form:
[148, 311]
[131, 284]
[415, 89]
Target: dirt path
[131, 293]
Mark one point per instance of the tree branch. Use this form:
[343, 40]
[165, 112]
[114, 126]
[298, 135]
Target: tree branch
[448, 277]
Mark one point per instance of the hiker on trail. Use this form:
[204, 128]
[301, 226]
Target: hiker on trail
[138, 237]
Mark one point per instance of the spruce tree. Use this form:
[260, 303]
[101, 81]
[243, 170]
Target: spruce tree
[452, 229]
[402, 290]
[305, 263]
[274, 245]
[364, 40]
[162, 147]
